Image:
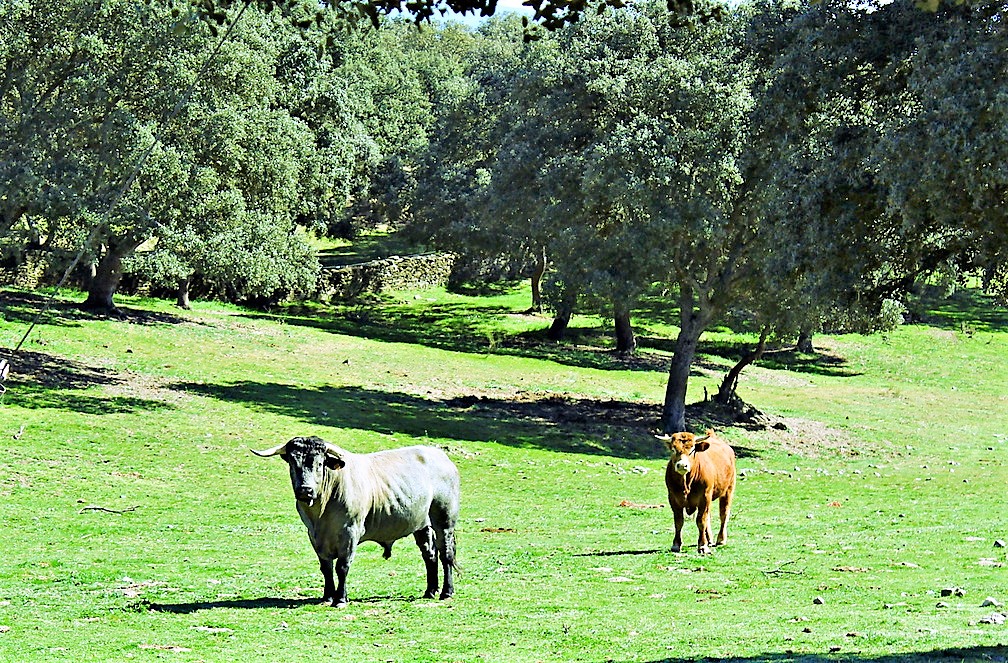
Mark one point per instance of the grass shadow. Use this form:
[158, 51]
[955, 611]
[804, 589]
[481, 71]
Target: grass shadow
[557, 423]
[23, 307]
[366, 247]
[45, 371]
[786, 359]
[469, 328]
[474, 327]
[37, 399]
[43, 381]
[968, 310]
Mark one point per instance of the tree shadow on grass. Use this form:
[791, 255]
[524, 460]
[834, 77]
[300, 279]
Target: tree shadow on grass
[967, 311]
[470, 328]
[957, 654]
[42, 381]
[41, 399]
[557, 423]
[23, 307]
[46, 371]
[473, 328]
[786, 359]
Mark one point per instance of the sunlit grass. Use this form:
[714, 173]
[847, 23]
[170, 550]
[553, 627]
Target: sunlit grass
[157, 412]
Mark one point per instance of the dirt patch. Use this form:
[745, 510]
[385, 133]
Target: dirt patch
[813, 439]
[145, 388]
[775, 378]
[634, 423]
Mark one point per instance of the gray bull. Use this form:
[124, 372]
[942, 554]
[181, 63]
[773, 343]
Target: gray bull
[345, 498]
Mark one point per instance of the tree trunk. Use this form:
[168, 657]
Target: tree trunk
[107, 274]
[537, 275]
[626, 342]
[804, 342]
[692, 322]
[562, 317]
[9, 218]
[182, 300]
[558, 329]
[674, 411]
[729, 385]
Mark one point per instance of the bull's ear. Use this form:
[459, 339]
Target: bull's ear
[334, 462]
[702, 444]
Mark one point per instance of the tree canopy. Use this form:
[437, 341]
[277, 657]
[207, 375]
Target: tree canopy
[798, 165]
[732, 164]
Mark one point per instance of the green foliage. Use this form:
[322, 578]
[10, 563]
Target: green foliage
[730, 163]
[106, 147]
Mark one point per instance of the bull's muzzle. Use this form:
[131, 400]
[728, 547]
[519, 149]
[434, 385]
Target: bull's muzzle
[306, 495]
[682, 467]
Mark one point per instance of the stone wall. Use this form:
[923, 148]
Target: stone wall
[334, 283]
[392, 273]
[29, 275]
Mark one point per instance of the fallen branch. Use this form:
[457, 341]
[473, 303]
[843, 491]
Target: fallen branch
[105, 510]
[781, 570]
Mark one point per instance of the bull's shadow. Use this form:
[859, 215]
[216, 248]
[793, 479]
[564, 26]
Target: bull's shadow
[612, 428]
[229, 604]
[263, 603]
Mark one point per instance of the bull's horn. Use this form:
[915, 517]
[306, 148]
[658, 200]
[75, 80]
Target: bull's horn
[266, 453]
[333, 450]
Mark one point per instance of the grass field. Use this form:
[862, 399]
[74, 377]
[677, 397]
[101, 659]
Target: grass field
[137, 525]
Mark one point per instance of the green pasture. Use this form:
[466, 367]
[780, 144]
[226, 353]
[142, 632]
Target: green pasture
[137, 526]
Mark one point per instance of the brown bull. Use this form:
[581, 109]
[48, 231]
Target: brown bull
[701, 470]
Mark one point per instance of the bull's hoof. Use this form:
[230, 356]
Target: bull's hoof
[430, 593]
[446, 595]
[676, 548]
[340, 603]
[704, 550]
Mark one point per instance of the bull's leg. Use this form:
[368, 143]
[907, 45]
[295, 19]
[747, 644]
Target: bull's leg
[425, 541]
[703, 527]
[680, 518]
[328, 587]
[343, 559]
[446, 551]
[342, 568]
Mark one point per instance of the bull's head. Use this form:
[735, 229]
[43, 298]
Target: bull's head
[683, 446]
[308, 458]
